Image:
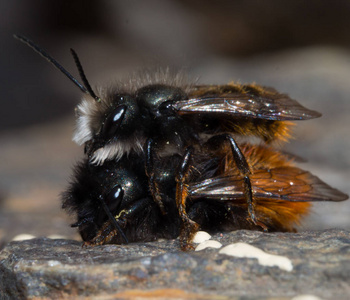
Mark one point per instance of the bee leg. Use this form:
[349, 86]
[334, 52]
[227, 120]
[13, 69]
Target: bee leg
[104, 235]
[189, 227]
[108, 231]
[112, 219]
[244, 171]
[153, 185]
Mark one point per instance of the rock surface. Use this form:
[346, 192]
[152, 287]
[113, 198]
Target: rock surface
[44, 268]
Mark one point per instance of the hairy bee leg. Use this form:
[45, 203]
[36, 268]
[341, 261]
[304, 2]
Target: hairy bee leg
[153, 185]
[244, 171]
[189, 227]
[108, 231]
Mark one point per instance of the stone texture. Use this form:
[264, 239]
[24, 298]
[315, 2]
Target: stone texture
[44, 268]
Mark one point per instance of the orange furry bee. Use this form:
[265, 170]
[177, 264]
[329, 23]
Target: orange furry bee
[211, 196]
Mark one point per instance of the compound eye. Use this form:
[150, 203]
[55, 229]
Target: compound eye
[114, 198]
[113, 122]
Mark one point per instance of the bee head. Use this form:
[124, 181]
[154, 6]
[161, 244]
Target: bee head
[98, 193]
[108, 124]
[119, 122]
[110, 127]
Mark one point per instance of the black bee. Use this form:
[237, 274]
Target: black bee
[176, 118]
[115, 191]
[212, 193]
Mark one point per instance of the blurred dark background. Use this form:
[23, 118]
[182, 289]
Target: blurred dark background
[299, 47]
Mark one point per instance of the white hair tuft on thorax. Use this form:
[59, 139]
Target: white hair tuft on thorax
[116, 149]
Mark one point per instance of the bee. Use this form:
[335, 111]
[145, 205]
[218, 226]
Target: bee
[213, 195]
[134, 127]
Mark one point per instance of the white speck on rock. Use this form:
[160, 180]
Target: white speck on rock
[201, 236]
[23, 237]
[53, 263]
[306, 297]
[208, 244]
[265, 259]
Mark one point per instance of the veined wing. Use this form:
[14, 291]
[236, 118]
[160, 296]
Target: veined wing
[244, 101]
[283, 183]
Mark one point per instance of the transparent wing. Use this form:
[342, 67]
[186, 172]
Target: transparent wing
[244, 101]
[283, 183]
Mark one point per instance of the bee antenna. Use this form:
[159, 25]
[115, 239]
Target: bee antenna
[51, 60]
[113, 220]
[83, 77]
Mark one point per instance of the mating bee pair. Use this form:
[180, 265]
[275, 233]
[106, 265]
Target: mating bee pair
[164, 160]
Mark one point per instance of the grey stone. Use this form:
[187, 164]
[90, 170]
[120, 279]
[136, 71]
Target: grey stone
[63, 269]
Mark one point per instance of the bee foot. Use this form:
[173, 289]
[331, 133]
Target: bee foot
[188, 231]
[89, 244]
[262, 225]
[253, 219]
